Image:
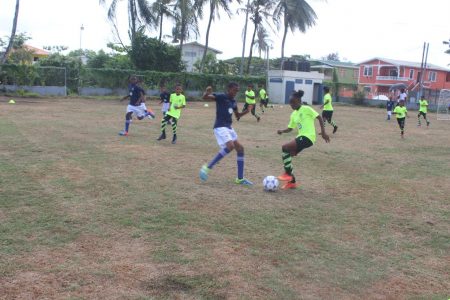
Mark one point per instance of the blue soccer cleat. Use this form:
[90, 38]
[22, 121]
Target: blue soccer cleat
[204, 172]
[123, 133]
[243, 181]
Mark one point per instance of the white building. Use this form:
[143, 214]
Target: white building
[192, 52]
[282, 83]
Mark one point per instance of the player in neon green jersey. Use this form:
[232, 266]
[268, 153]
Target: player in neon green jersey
[401, 112]
[423, 108]
[177, 102]
[327, 112]
[250, 102]
[263, 98]
[302, 118]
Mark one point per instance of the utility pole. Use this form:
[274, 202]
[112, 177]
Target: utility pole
[423, 67]
[81, 33]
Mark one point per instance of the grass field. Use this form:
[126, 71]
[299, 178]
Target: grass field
[85, 213]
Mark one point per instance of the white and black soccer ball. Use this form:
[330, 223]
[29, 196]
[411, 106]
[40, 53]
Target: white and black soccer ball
[270, 183]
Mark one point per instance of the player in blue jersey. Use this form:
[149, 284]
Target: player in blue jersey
[225, 135]
[136, 105]
[389, 107]
[165, 100]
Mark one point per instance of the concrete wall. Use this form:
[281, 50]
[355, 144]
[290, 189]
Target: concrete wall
[91, 91]
[41, 90]
[378, 103]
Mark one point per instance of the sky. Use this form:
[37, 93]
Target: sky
[357, 30]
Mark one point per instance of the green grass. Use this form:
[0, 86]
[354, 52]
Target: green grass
[90, 214]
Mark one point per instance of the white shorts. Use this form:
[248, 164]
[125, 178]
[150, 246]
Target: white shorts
[224, 135]
[139, 111]
[389, 113]
[165, 107]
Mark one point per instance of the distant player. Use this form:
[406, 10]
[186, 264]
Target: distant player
[136, 104]
[302, 118]
[389, 107]
[225, 135]
[250, 102]
[164, 98]
[402, 95]
[263, 98]
[327, 112]
[177, 102]
[401, 112]
[423, 108]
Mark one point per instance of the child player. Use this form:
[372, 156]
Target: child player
[303, 118]
[225, 135]
[400, 112]
[327, 112]
[389, 107]
[250, 102]
[177, 102]
[263, 98]
[423, 108]
[136, 105]
[164, 100]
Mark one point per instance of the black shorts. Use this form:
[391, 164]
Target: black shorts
[302, 143]
[421, 113]
[264, 102]
[327, 114]
[401, 122]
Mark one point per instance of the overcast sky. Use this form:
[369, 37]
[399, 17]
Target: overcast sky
[357, 29]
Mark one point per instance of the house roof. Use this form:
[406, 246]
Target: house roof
[396, 62]
[36, 51]
[336, 64]
[203, 46]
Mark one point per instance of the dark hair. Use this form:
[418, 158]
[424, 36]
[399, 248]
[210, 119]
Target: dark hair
[232, 85]
[326, 89]
[298, 94]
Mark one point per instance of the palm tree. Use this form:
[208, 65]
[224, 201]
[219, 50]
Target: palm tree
[186, 22]
[13, 33]
[214, 6]
[161, 8]
[260, 12]
[447, 43]
[296, 14]
[262, 42]
[139, 13]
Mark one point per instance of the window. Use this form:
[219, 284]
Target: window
[308, 81]
[341, 73]
[411, 74]
[368, 71]
[190, 53]
[432, 76]
[298, 80]
[355, 74]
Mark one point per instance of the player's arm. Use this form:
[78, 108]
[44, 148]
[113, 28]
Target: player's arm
[248, 96]
[326, 102]
[125, 98]
[208, 94]
[322, 130]
[141, 97]
[281, 131]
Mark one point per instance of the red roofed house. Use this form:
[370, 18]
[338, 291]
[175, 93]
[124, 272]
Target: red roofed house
[37, 53]
[378, 75]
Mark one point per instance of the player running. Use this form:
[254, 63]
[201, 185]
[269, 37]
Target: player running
[302, 118]
[225, 135]
[164, 98]
[263, 98]
[136, 105]
[327, 112]
[250, 102]
[401, 112]
[177, 102]
[423, 108]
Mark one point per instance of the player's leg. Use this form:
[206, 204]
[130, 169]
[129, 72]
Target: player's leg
[418, 118]
[240, 164]
[128, 121]
[224, 137]
[401, 125]
[174, 130]
[163, 127]
[292, 149]
[426, 120]
[253, 111]
[389, 113]
[261, 106]
[330, 118]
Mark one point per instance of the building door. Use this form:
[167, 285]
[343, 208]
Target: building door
[290, 87]
[317, 93]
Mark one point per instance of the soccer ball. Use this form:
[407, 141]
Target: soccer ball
[270, 183]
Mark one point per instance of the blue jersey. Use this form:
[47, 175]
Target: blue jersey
[135, 94]
[224, 110]
[390, 105]
[165, 97]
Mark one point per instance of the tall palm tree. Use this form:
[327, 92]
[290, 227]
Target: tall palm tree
[139, 13]
[296, 14]
[13, 33]
[259, 13]
[214, 7]
[262, 42]
[161, 9]
[186, 22]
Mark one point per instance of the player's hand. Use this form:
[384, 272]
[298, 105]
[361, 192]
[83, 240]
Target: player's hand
[325, 137]
[280, 132]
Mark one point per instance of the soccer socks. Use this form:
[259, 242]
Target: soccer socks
[127, 125]
[240, 165]
[174, 127]
[221, 154]
[287, 162]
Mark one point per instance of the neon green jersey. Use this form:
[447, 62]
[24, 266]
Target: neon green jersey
[423, 105]
[251, 94]
[328, 98]
[303, 119]
[400, 111]
[176, 100]
[262, 94]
